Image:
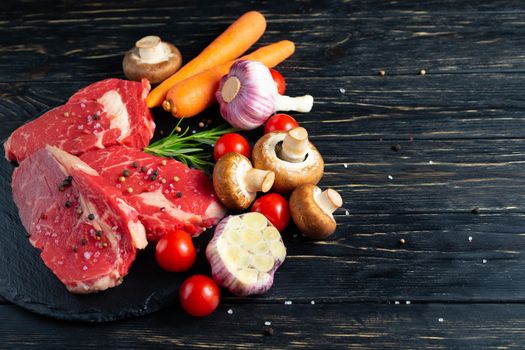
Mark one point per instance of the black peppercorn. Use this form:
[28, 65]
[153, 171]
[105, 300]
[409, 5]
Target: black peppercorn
[268, 331]
[396, 148]
[91, 216]
[143, 169]
[67, 204]
[134, 164]
[98, 233]
[83, 241]
[179, 194]
[125, 173]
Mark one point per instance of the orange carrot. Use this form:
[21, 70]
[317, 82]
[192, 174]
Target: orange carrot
[232, 43]
[193, 95]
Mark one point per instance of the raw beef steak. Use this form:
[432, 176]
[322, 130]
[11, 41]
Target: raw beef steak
[167, 194]
[105, 113]
[87, 234]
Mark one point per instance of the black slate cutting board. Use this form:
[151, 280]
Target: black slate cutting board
[27, 282]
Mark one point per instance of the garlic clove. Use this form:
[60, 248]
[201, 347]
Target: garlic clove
[244, 253]
[271, 234]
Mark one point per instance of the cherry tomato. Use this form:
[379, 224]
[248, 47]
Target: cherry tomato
[280, 122]
[199, 295]
[279, 81]
[275, 208]
[231, 143]
[175, 251]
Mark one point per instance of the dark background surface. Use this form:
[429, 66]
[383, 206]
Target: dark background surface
[458, 281]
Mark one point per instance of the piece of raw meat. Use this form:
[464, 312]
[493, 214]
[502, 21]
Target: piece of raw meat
[167, 194]
[87, 234]
[105, 113]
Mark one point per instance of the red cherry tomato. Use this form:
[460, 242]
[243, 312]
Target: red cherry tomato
[231, 143]
[279, 81]
[275, 208]
[280, 122]
[199, 295]
[175, 251]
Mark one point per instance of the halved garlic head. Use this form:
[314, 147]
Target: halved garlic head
[245, 252]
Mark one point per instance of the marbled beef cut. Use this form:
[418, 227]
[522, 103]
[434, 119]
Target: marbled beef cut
[105, 113]
[88, 235]
[167, 194]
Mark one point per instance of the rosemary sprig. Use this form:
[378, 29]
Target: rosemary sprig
[188, 148]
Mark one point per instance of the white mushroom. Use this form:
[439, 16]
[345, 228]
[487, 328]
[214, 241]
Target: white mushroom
[312, 209]
[152, 59]
[236, 182]
[293, 159]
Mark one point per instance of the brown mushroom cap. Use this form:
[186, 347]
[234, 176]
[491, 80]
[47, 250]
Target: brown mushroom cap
[311, 210]
[135, 68]
[236, 182]
[288, 175]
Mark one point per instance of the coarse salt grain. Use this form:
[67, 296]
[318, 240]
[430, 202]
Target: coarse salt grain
[440, 319]
[230, 311]
[429, 162]
[84, 267]
[347, 212]
[342, 90]
[484, 261]
[390, 177]
[345, 165]
[470, 238]
[267, 323]
[312, 302]
[288, 302]
[396, 302]
[407, 302]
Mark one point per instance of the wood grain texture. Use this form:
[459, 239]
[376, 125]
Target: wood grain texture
[478, 106]
[443, 164]
[296, 326]
[460, 128]
[333, 38]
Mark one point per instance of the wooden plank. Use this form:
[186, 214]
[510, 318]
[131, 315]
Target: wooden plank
[439, 171]
[333, 38]
[364, 261]
[445, 257]
[348, 326]
[369, 108]
[426, 176]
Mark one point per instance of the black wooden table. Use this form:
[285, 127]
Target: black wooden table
[434, 159]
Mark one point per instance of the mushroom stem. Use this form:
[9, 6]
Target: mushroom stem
[259, 180]
[230, 89]
[328, 200]
[295, 145]
[301, 104]
[151, 49]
